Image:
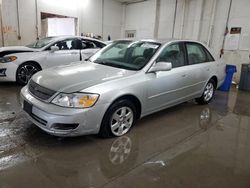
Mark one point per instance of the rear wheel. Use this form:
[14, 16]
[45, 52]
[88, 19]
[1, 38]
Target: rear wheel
[25, 71]
[208, 93]
[118, 119]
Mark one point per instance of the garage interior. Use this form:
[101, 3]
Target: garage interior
[187, 145]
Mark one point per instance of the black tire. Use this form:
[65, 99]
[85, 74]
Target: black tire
[25, 71]
[105, 129]
[203, 99]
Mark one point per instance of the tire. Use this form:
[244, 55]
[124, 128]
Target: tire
[25, 71]
[208, 93]
[117, 121]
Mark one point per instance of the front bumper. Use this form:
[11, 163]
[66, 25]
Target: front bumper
[48, 116]
[8, 71]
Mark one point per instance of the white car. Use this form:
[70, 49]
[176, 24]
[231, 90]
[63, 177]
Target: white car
[19, 63]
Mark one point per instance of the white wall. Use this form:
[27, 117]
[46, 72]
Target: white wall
[240, 16]
[112, 19]
[141, 17]
[194, 20]
[89, 13]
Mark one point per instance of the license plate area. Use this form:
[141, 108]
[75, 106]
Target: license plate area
[27, 107]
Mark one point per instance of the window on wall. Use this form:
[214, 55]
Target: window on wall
[130, 33]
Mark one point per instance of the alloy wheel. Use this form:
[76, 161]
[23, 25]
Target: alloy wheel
[209, 91]
[26, 72]
[121, 121]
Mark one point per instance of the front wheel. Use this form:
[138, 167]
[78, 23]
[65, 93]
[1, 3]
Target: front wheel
[208, 93]
[118, 119]
[25, 72]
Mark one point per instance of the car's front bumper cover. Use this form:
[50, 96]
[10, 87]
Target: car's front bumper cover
[49, 117]
[8, 71]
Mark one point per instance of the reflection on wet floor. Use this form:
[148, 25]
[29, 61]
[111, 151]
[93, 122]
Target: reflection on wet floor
[184, 146]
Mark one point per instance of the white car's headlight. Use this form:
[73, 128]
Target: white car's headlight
[76, 100]
[7, 59]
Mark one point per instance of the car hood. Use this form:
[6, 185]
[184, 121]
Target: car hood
[78, 76]
[15, 49]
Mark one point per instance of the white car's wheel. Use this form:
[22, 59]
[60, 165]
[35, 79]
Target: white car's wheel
[25, 71]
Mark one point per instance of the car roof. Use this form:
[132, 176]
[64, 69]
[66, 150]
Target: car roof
[56, 38]
[160, 41]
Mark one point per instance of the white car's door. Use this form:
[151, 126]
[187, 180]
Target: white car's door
[69, 51]
[166, 88]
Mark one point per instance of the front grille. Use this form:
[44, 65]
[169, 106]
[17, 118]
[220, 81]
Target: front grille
[40, 91]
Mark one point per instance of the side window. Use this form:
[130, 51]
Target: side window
[196, 54]
[173, 54]
[88, 44]
[99, 45]
[70, 44]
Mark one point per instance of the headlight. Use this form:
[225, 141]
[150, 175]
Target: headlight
[75, 100]
[7, 59]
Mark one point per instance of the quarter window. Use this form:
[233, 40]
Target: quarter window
[172, 54]
[197, 54]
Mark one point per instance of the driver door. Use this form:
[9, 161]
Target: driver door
[166, 88]
[69, 51]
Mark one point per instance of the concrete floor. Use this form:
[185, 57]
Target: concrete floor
[185, 146]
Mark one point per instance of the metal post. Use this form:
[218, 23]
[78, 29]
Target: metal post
[103, 19]
[175, 12]
[228, 16]
[18, 20]
[36, 20]
[1, 22]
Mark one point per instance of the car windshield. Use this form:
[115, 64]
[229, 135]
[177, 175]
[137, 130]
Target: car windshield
[41, 43]
[130, 55]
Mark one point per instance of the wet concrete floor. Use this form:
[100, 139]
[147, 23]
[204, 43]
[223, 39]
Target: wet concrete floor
[185, 146]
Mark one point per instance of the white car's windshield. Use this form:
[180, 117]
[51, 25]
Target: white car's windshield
[131, 55]
[41, 43]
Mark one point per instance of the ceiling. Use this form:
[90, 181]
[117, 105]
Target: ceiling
[130, 1]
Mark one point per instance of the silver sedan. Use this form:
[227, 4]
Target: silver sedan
[121, 83]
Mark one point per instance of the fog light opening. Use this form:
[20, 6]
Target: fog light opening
[62, 126]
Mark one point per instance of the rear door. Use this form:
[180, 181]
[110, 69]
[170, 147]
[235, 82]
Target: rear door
[200, 67]
[69, 51]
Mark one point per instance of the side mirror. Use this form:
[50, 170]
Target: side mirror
[54, 48]
[161, 66]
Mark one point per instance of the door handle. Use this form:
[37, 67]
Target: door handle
[183, 75]
[74, 53]
[208, 69]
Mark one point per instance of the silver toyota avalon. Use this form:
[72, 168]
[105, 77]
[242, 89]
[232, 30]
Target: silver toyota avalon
[121, 83]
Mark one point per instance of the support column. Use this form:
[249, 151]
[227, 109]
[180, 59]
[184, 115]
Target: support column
[197, 21]
[123, 21]
[211, 26]
[182, 19]
[157, 18]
